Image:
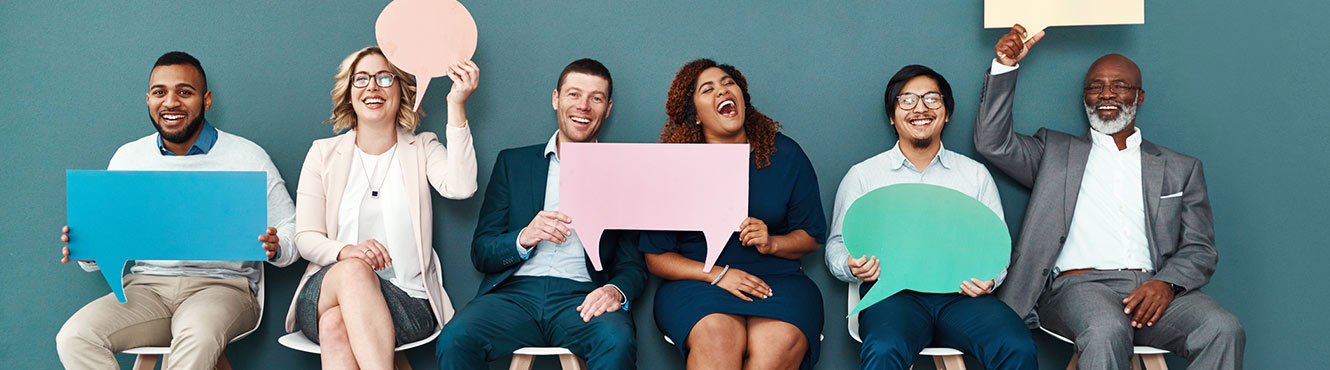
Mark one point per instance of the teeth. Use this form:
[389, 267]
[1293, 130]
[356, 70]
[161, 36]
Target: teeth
[373, 101]
[921, 122]
[173, 116]
[724, 104]
[1108, 108]
[581, 120]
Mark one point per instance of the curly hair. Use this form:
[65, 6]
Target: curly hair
[344, 116]
[682, 127]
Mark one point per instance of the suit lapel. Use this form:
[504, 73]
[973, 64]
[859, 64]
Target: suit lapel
[540, 172]
[1152, 185]
[1078, 154]
[411, 172]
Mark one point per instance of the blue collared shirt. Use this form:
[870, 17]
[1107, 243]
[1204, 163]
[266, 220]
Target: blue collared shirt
[207, 137]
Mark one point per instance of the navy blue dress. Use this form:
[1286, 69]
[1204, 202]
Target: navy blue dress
[785, 196]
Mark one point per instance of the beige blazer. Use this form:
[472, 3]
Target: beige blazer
[451, 170]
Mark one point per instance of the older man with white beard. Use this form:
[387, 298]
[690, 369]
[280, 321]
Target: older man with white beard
[1118, 238]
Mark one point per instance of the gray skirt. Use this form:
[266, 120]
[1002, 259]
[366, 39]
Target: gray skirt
[413, 319]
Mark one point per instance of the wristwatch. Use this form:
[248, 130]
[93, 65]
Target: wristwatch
[1177, 289]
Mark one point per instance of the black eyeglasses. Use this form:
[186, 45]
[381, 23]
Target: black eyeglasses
[383, 79]
[908, 101]
[1096, 89]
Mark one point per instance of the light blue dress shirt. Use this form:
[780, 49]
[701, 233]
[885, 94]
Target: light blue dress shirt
[565, 260]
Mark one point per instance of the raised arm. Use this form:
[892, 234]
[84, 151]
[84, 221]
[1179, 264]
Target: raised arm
[994, 137]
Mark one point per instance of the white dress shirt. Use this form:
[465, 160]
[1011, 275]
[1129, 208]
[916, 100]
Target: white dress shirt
[947, 169]
[1108, 227]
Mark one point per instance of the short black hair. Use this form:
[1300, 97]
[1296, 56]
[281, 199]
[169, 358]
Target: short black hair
[587, 66]
[178, 58]
[908, 73]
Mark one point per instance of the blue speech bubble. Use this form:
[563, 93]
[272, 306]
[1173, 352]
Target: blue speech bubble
[927, 238]
[119, 216]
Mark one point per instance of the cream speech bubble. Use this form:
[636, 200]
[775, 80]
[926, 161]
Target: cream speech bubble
[424, 37]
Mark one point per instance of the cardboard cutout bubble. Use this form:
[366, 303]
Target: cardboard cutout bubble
[928, 238]
[1035, 15]
[424, 37]
[120, 216]
[680, 187]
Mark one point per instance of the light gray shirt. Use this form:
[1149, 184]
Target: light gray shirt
[947, 169]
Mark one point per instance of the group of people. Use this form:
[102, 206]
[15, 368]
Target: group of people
[1116, 243]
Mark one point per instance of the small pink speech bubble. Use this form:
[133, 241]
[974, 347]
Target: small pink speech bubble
[424, 37]
[685, 187]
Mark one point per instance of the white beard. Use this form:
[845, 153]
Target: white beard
[1127, 114]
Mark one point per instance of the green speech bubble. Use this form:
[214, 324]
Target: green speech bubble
[928, 239]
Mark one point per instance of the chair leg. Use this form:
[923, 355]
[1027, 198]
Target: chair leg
[951, 362]
[223, 363]
[1071, 365]
[1154, 362]
[400, 362]
[145, 362]
[571, 362]
[521, 362]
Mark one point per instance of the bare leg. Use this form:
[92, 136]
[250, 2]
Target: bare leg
[774, 344]
[718, 341]
[333, 342]
[352, 287]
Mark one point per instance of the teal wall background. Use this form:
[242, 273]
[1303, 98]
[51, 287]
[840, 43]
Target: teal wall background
[1239, 84]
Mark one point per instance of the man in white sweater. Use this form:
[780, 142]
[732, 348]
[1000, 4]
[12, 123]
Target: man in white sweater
[195, 307]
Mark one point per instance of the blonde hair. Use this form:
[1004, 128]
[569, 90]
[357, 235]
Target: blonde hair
[344, 116]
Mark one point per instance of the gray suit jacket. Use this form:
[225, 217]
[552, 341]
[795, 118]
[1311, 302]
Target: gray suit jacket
[1051, 163]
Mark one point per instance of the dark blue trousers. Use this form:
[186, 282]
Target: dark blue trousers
[528, 311]
[896, 329]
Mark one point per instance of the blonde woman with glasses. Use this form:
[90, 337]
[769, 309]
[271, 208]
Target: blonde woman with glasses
[363, 216]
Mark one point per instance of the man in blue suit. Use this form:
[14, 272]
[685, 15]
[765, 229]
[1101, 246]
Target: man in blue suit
[539, 287]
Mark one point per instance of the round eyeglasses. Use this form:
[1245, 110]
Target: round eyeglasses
[383, 79]
[908, 101]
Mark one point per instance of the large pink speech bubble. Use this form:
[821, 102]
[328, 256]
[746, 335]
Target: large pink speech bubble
[424, 37]
[684, 187]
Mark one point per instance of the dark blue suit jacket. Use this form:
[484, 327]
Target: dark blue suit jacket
[516, 193]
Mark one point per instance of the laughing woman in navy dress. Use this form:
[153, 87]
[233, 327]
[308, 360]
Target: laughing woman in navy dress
[756, 309]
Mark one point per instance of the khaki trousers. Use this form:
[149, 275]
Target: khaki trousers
[195, 316]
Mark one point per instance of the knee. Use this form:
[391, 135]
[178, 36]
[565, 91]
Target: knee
[331, 328]
[350, 273]
[454, 339]
[717, 335]
[1224, 327]
[1105, 332]
[198, 335]
[73, 338]
[615, 339]
[1018, 347]
[885, 344]
[784, 344]
[351, 270]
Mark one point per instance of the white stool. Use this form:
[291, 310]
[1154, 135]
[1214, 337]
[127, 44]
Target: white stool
[297, 341]
[146, 357]
[1152, 357]
[523, 358]
[943, 358]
